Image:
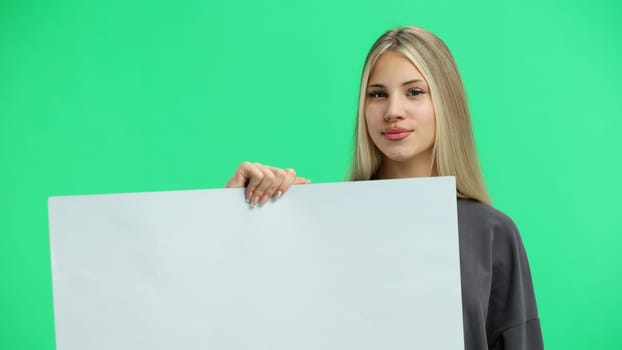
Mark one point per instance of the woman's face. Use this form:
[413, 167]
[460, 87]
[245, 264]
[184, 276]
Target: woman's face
[399, 111]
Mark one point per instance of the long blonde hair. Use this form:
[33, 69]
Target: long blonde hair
[454, 148]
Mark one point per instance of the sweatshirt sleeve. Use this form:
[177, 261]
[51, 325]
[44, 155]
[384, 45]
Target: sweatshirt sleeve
[512, 322]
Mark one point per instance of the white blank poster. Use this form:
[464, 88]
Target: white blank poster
[370, 265]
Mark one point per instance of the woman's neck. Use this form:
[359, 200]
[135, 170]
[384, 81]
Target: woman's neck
[390, 169]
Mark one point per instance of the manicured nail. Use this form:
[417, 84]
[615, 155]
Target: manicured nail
[277, 195]
[254, 202]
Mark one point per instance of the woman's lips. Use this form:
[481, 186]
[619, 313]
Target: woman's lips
[396, 134]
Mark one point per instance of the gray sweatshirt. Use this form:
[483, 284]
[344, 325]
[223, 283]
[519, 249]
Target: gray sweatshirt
[498, 301]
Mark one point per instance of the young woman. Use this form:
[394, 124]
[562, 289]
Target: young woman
[413, 121]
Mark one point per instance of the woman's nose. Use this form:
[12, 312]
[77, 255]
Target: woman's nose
[391, 117]
[394, 111]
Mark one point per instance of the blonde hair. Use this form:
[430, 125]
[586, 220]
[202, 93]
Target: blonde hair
[454, 148]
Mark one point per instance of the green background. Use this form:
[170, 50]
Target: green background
[107, 96]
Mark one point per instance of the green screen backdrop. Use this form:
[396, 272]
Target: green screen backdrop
[108, 96]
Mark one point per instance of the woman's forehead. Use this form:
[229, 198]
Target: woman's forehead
[394, 67]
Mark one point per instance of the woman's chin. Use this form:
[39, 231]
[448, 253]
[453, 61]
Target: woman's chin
[398, 156]
[407, 157]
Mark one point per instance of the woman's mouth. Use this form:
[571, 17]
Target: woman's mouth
[396, 134]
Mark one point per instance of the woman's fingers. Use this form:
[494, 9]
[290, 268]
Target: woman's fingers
[266, 188]
[263, 182]
[289, 179]
[301, 181]
[254, 182]
[244, 173]
[248, 175]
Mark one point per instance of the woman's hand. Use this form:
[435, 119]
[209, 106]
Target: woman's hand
[263, 182]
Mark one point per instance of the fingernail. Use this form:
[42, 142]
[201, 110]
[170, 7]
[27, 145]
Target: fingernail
[254, 202]
[277, 195]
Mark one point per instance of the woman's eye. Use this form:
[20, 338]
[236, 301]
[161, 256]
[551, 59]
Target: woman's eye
[376, 94]
[415, 92]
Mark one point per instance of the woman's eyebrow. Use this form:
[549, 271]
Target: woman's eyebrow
[403, 84]
[412, 81]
